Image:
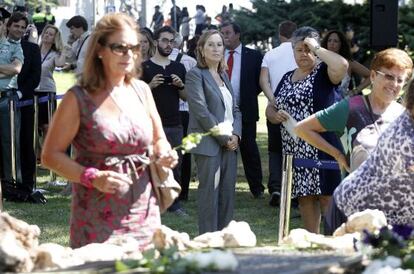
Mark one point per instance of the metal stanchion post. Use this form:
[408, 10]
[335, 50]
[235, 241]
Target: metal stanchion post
[12, 138]
[35, 135]
[51, 109]
[285, 197]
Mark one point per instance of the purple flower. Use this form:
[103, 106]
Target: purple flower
[405, 231]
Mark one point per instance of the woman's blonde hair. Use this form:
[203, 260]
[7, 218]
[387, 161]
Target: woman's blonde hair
[151, 44]
[201, 62]
[93, 75]
[57, 42]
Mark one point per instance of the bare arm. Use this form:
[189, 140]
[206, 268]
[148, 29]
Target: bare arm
[264, 82]
[11, 69]
[363, 72]
[60, 60]
[309, 130]
[63, 129]
[337, 65]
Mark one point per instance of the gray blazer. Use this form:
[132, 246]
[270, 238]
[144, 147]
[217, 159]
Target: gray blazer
[206, 108]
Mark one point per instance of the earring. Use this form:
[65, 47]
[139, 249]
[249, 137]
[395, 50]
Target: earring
[100, 56]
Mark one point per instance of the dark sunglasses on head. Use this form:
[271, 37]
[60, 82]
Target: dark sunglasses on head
[122, 49]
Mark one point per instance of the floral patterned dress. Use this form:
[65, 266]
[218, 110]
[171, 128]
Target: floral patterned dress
[301, 99]
[112, 144]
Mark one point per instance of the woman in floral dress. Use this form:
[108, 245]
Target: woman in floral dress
[301, 93]
[111, 120]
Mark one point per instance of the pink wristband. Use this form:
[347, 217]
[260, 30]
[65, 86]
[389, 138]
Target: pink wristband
[87, 176]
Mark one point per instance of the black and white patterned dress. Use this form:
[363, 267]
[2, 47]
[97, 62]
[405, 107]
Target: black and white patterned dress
[301, 99]
[384, 181]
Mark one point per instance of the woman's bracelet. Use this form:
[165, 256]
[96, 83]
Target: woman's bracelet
[87, 176]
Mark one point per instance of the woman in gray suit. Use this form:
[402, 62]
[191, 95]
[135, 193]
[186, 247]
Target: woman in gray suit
[211, 101]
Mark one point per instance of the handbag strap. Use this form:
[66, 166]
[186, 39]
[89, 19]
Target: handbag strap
[371, 113]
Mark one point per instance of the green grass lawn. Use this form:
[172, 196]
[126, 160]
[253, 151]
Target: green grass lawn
[53, 217]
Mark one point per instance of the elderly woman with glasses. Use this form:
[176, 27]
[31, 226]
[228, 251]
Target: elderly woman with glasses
[385, 180]
[355, 118]
[111, 119]
[390, 69]
[300, 93]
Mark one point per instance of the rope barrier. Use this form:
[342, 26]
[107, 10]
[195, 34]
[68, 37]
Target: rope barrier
[41, 100]
[313, 163]
[286, 188]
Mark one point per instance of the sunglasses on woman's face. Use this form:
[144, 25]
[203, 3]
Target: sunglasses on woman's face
[122, 49]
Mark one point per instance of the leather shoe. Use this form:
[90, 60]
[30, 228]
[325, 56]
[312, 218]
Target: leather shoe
[274, 199]
[258, 195]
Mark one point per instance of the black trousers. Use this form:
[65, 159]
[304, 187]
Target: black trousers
[186, 161]
[274, 146]
[251, 158]
[27, 154]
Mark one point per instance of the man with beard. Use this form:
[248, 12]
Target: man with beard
[166, 80]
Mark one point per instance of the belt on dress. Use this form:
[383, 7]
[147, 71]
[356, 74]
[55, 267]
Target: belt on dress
[130, 161]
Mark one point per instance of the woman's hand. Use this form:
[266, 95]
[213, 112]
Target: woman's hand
[341, 159]
[164, 155]
[112, 182]
[275, 116]
[233, 142]
[311, 43]
[169, 159]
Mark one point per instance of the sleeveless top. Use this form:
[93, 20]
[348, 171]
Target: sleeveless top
[112, 144]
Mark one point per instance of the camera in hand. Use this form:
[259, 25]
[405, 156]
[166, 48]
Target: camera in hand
[167, 79]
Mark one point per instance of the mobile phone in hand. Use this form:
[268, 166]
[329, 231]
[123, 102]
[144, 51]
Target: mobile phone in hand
[167, 79]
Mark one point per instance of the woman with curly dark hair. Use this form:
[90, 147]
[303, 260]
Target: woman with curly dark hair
[336, 41]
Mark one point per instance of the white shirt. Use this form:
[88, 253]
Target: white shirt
[235, 74]
[79, 49]
[279, 61]
[228, 104]
[188, 62]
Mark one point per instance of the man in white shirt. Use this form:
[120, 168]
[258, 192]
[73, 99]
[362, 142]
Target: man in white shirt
[276, 63]
[244, 72]
[79, 30]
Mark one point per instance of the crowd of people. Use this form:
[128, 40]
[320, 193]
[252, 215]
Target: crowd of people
[138, 93]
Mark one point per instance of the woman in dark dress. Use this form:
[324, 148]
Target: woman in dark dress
[301, 93]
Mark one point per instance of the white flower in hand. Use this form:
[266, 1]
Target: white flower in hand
[224, 128]
[187, 145]
[190, 141]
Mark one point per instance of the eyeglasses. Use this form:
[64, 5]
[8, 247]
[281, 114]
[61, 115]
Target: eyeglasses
[122, 49]
[391, 78]
[166, 41]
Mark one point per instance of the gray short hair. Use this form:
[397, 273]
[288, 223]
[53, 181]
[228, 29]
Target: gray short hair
[301, 33]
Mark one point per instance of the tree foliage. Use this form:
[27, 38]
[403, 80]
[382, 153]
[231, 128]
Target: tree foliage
[261, 23]
[31, 3]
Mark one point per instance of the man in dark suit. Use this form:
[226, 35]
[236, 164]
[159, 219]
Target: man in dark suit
[27, 80]
[244, 67]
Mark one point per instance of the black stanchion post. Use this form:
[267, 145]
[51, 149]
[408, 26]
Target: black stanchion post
[285, 197]
[36, 135]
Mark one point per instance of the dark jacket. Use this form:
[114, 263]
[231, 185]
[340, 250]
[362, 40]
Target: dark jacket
[251, 64]
[29, 77]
